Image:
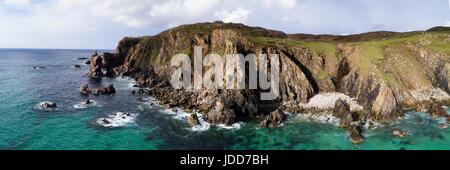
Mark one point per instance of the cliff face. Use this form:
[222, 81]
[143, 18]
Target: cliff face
[385, 72]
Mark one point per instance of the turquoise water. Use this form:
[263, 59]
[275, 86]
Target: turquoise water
[25, 126]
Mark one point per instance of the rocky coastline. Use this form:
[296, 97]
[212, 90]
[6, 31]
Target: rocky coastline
[342, 83]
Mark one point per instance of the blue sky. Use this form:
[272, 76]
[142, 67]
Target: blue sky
[90, 24]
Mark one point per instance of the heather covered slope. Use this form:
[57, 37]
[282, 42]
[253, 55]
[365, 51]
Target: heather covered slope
[384, 72]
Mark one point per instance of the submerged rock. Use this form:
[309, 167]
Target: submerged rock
[435, 110]
[355, 131]
[39, 67]
[275, 119]
[140, 99]
[82, 58]
[48, 105]
[87, 102]
[193, 120]
[77, 66]
[399, 133]
[443, 126]
[85, 89]
[105, 121]
[133, 92]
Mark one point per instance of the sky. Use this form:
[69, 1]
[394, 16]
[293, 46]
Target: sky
[100, 24]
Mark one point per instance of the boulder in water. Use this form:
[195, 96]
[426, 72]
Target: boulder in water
[85, 89]
[48, 105]
[354, 130]
[221, 113]
[435, 110]
[108, 90]
[96, 67]
[275, 119]
[140, 99]
[399, 133]
[82, 58]
[39, 67]
[193, 120]
[87, 102]
[443, 126]
[77, 66]
[105, 121]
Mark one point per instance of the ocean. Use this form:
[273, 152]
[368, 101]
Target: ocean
[24, 125]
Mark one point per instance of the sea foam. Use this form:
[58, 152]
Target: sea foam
[83, 105]
[180, 114]
[118, 119]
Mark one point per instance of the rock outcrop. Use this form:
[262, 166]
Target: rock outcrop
[341, 107]
[193, 120]
[275, 119]
[96, 67]
[435, 110]
[107, 90]
[354, 129]
[399, 133]
[384, 77]
[221, 114]
[85, 89]
[48, 105]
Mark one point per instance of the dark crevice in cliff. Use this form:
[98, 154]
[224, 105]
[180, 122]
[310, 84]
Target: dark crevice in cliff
[308, 74]
[343, 70]
[441, 81]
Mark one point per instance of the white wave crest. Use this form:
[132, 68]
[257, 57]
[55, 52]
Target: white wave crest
[83, 105]
[117, 119]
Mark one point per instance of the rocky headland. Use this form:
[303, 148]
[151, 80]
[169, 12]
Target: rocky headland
[356, 78]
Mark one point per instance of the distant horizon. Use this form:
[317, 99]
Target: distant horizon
[101, 24]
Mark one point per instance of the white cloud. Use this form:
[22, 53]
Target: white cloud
[17, 3]
[98, 20]
[240, 15]
[285, 4]
[448, 22]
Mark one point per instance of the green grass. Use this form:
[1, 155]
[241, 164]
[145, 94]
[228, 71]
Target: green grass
[440, 43]
[148, 54]
[327, 48]
[373, 52]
